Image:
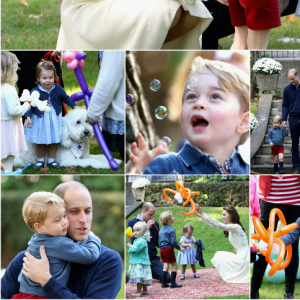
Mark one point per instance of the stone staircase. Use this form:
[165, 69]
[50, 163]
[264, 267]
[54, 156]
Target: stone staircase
[262, 161]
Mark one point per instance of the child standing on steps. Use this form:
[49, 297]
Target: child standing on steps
[12, 132]
[187, 258]
[45, 128]
[167, 242]
[139, 269]
[276, 138]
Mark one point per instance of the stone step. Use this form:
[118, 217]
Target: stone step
[276, 104]
[266, 149]
[287, 139]
[264, 159]
[275, 112]
[269, 169]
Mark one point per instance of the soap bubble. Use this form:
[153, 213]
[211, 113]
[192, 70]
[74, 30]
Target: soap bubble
[161, 112]
[155, 85]
[129, 99]
[165, 143]
[174, 173]
[192, 83]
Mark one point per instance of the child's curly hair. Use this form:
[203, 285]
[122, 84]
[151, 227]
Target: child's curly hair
[187, 227]
[9, 67]
[45, 65]
[165, 217]
[144, 229]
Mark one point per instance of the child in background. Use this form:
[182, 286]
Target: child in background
[45, 214]
[276, 138]
[187, 258]
[139, 269]
[253, 21]
[215, 121]
[45, 128]
[12, 132]
[167, 242]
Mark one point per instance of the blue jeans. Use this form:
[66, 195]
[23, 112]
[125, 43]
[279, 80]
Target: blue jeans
[295, 133]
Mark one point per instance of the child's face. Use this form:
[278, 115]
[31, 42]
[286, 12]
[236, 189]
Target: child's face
[56, 222]
[210, 116]
[137, 231]
[188, 234]
[276, 124]
[46, 79]
[171, 220]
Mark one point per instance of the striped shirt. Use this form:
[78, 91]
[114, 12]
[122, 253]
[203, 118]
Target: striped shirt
[283, 191]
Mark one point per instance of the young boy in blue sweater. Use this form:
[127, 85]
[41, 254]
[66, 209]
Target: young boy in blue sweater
[167, 242]
[45, 214]
[276, 138]
[214, 120]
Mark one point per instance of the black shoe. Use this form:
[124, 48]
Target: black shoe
[164, 280]
[289, 296]
[296, 172]
[254, 295]
[175, 285]
[281, 172]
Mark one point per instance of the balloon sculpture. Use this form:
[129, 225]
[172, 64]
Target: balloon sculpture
[17, 172]
[271, 236]
[129, 232]
[182, 192]
[76, 63]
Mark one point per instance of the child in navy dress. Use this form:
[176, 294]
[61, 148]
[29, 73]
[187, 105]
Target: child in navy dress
[187, 258]
[45, 128]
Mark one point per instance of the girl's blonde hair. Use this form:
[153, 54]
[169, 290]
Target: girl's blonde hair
[144, 229]
[187, 227]
[9, 67]
[165, 217]
[230, 78]
[36, 206]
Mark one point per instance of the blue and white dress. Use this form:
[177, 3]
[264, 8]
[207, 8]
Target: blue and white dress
[187, 258]
[47, 129]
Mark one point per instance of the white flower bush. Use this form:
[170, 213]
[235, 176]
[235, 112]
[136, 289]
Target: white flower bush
[253, 122]
[267, 66]
[140, 183]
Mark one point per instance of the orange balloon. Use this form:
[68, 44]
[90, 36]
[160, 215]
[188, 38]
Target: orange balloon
[185, 193]
[271, 236]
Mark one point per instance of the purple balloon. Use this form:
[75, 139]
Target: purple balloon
[86, 94]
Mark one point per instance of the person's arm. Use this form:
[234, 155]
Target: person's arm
[66, 98]
[174, 240]
[285, 107]
[14, 108]
[9, 281]
[285, 132]
[108, 82]
[137, 246]
[269, 138]
[85, 253]
[105, 284]
[292, 236]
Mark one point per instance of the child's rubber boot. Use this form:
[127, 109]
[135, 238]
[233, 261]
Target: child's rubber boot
[164, 279]
[281, 167]
[173, 279]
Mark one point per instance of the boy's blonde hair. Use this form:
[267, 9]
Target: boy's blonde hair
[36, 206]
[165, 217]
[9, 67]
[144, 229]
[230, 78]
[277, 118]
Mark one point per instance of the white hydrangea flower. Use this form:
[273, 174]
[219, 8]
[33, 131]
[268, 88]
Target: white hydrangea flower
[267, 66]
[140, 183]
[253, 122]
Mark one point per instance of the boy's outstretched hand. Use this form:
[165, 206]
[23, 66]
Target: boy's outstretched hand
[141, 156]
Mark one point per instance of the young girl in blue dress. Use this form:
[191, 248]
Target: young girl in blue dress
[139, 269]
[188, 257]
[45, 128]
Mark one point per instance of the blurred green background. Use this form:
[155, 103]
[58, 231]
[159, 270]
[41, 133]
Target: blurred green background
[107, 193]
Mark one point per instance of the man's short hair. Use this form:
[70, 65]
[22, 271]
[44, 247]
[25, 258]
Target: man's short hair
[165, 217]
[36, 207]
[61, 188]
[147, 206]
[294, 71]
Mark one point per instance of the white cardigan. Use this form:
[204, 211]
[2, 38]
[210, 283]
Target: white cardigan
[127, 24]
[109, 93]
[10, 104]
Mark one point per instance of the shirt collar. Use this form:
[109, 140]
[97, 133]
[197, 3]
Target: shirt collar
[139, 217]
[47, 91]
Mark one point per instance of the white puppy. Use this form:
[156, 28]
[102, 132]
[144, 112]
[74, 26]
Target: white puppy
[74, 147]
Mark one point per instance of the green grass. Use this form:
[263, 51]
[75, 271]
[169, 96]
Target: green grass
[213, 239]
[254, 106]
[20, 31]
[286, 30]
[121, 294]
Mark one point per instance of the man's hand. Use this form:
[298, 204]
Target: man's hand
[141, 156]
[37, 270]
[271, 144]
[150, 223]
[284, 125]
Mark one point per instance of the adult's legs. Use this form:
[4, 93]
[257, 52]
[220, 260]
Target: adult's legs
[240, 38]
[182, 23]
[295, 133]
[157, 269]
